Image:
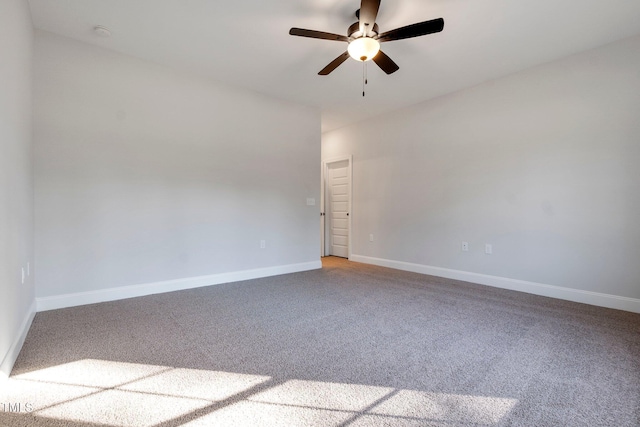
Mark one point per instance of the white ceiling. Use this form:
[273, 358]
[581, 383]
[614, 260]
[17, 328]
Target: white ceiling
[246, 43]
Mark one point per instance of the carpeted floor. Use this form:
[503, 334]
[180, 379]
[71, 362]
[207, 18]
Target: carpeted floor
[350, 344]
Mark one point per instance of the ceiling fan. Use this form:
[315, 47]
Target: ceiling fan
[364, 38]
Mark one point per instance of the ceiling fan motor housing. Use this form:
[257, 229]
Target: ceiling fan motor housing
[354, 31]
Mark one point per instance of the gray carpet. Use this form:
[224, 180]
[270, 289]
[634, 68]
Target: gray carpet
[350, 344]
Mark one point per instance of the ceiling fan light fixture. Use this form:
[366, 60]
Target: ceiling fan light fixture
[363, 49]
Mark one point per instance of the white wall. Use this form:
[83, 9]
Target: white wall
[16, 183]
[543, 165]
[145, 174]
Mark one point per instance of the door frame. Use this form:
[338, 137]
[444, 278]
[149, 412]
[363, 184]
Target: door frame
[323, 197]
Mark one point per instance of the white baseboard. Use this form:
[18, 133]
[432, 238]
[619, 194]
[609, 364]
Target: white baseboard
[12, 355]
[123, 292]
[575, 295]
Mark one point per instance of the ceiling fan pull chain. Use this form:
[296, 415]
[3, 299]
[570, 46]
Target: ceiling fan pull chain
[366, 74]
[364, 78]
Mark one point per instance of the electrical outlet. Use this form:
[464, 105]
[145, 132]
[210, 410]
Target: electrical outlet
[371, 237]
[488, 249]
[263, 244]
[465, 246]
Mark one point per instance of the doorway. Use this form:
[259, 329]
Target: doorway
[336, 208]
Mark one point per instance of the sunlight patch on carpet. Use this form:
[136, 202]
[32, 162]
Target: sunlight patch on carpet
[122, 394]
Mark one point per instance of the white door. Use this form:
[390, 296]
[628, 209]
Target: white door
[337, 208]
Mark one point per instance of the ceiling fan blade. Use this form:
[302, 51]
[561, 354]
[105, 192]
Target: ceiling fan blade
[386, 63]
[317, 35]
[334, 64]
[368, 14]
[414, 30]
